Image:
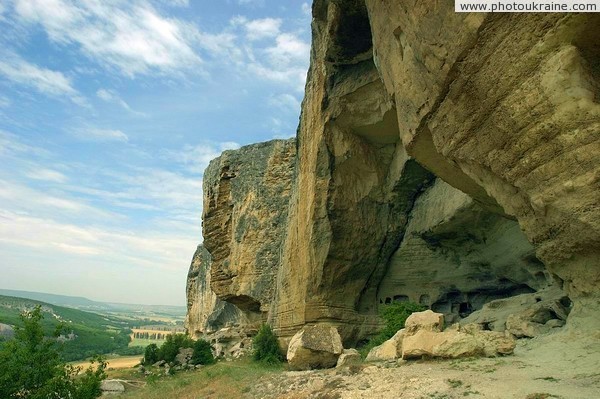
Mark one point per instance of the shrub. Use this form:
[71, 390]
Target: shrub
[33, 369]
[395, 316]
[266, 347]
[150, 355]
[170, 348]
[202, 353]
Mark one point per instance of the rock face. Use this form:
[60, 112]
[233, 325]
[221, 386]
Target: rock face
[246, 195]
[314, 347]
[444, 158]
[206, 313]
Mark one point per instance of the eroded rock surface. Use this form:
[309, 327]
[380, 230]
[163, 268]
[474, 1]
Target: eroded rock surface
[205, 311]
[314, 347]
[444, 158]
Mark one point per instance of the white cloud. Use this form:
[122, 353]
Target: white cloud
[10, 144]
[96, 134]
[197, 157]
[306, 9]
[288, 48]
[147, 250]
[19, 198]
[286, 102]
[47, 175]
[4, 102]
[46, 81]
[129, 35]
[254, 3]
[110, 96]
[257, 29]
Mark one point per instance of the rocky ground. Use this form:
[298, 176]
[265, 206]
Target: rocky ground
[561, 365]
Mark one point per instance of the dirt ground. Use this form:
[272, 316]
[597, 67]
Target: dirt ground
[122, 362]
[561, 366]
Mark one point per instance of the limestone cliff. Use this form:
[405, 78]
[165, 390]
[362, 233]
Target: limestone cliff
[205, 311]
[449, 159]
[246, 195]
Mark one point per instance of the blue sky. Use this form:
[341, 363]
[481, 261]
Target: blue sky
[109, 112]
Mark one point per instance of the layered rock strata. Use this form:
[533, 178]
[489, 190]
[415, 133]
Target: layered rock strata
[444, 158]
[207, 313]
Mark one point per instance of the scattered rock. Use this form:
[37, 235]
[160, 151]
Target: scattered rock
[112, 386]
[160, 363]
[525, 315]
[314, 347]
[184, 355]
[423, 338]
[348, 358]
[389, 350]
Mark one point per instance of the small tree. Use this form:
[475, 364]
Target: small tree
[266, 347]
[170, 348]
[202, 353]
[150, 354]
[31, 367]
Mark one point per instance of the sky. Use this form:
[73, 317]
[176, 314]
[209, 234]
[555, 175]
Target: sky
[109, 112]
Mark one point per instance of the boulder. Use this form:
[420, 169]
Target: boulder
[389, 350]
[160, 363]
[112, 386]
[427, 320]
[454, 344]
[314, 347]
[526, 315]
[348, 357]
[184, 355]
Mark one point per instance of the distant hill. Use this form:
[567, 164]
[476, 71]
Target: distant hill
[103, 307]
[61, 300]
[85, 333]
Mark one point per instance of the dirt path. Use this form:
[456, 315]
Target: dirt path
[538, 370]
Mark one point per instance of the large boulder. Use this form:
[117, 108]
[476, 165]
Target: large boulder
[424, 337]
[526, 315]
[314, 347]
[389, 350]
[426, 320]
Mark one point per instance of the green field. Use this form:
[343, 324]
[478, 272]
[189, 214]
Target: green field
[146, 342]
[95, 333]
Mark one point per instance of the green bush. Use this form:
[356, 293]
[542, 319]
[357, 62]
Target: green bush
[32, 367]
[170, 348]
[266, 346]
[394, 315]
[150, 355]
[202, 353]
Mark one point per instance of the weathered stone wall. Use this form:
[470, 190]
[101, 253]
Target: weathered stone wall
[505, 107]
[444, 158]
[246, 195]
[205, 311]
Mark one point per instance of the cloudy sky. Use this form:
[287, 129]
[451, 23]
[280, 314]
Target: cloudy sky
[109, 112]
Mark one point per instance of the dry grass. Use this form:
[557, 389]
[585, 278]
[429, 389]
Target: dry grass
[221, 380]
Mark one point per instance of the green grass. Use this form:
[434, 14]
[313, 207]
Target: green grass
[221, 380]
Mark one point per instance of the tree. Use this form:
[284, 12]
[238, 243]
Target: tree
[32, 367]
[170, 348]
[266, 346]
[202, 353]
[151, 354]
